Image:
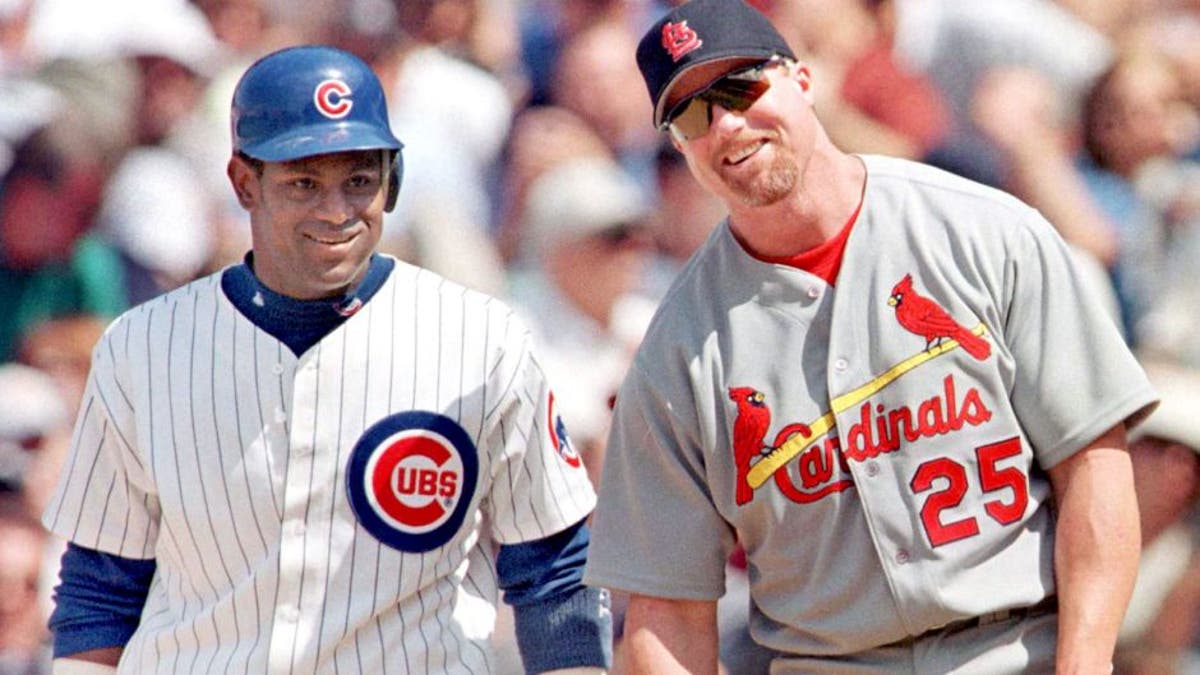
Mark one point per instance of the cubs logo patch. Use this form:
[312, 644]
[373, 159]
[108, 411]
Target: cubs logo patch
[411, 478]
[557, 430]
[332, 98]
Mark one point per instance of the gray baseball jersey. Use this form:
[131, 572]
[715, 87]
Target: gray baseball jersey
[879, 447]
[333, 512]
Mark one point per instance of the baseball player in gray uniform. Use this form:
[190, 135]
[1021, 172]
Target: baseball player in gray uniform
[322, 459]
[886, 383]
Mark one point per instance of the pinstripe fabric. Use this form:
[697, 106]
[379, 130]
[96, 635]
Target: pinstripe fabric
[205, 443]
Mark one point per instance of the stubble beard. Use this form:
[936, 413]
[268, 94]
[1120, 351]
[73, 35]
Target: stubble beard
[768, 186]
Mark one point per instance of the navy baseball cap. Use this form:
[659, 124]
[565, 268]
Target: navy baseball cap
[699, 32]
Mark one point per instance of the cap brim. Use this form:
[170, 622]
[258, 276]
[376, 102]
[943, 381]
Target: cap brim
[322, 139]
[736, 59]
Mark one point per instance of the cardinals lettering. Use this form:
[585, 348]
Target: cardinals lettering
[749, 443]
[822, 466]
[819, 452]
[881, 430]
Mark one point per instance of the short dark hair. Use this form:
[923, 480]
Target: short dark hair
[256, 164]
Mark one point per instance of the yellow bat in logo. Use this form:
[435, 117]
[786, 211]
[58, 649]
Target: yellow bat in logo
[767, 466]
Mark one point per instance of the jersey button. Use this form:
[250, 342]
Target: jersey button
[841, 364]
[814, 292]
[902, 557]
[872, 469]
[289, 614]
[277, 369]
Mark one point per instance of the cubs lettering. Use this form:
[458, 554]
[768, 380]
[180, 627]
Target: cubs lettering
[426, 482]
[406, 474]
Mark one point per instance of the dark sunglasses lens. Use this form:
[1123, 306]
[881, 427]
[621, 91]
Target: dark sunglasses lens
[736, 94]
[693, 119]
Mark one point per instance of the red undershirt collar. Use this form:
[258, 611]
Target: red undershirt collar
[825, 259]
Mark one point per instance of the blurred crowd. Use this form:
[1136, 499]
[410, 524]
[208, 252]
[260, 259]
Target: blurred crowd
[532, 172]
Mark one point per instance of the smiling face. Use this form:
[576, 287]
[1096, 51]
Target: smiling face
[314, 221]
[756, 157]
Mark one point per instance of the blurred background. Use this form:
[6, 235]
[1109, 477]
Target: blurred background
[533, 174]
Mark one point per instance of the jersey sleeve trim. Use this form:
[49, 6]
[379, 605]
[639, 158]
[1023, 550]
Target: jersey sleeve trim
[1131, 410]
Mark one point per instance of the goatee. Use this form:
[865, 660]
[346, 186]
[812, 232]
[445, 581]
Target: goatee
[766, 187]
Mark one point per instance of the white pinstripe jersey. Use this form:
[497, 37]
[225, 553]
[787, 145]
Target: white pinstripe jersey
[205, 443]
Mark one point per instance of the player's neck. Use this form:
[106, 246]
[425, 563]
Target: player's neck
[828, 192]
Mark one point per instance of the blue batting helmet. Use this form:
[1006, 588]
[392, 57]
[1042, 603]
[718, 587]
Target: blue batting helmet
[311, 100]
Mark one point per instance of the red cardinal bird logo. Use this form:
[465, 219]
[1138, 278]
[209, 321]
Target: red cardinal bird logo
[749, 430]
[924, 317]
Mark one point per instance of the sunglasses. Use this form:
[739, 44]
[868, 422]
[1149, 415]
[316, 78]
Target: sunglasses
[737, 91]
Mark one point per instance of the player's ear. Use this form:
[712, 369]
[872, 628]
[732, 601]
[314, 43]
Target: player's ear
[244, 179]
[804, 77]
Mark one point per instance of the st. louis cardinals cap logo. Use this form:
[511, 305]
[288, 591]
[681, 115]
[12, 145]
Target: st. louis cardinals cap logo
[332, 98]
[410, 480]
[678, 39]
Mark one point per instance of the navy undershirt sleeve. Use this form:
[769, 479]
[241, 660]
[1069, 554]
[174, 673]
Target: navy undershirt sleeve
[560, 623]
[98, 601]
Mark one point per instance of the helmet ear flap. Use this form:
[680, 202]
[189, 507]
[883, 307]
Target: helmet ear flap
[394, 179]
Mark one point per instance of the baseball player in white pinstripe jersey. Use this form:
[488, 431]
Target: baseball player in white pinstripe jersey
[322, 459]
[888, 384]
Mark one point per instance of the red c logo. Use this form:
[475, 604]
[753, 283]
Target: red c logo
[332, 98]
[414, 480]
[411, 480]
